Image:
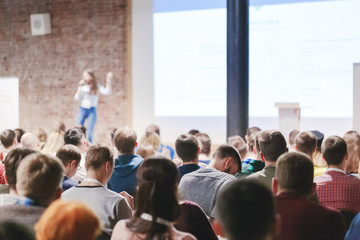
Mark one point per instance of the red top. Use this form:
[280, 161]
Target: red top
[338, 190]
[2, 174]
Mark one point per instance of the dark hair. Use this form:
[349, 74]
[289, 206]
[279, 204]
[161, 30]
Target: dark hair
[73, 136]
[97, 155]
[82, 128]
[187, 146]
[295, 173]
[157, 196]
[12, 161]
[306, 143]
[153, 128]
[112, 133]
[292, 136]
[246, 210]
[239, 143]
[193, 132]
[68, 153]
[7, 137]
[251, 142]
[19, 132]
[272, 144]
[12, 231]
[252, 130]
[205, 142]
[226, 150]
[334, 150]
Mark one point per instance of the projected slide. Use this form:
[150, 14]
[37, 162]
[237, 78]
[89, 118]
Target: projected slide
[300, 51]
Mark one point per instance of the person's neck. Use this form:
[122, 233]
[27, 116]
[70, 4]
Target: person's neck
[12, 191]
[337, 166]
[196, 161]
[11, 147]
[94, 175]
[268, 163]
[123, 154]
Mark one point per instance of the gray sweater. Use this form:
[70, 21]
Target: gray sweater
[203, 187]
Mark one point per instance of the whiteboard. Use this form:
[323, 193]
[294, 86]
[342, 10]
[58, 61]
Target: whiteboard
[9, 103]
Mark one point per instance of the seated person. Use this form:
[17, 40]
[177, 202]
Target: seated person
[70, 156]
[205, 149]
[9, 142]
[156, 129]
[187, 148]
[127, 163]
[292, 136]
[301, 218]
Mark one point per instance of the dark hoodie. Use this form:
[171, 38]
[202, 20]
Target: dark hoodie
[123, 177]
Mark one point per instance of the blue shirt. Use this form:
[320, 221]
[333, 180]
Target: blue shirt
[68, 183]
[187, 168]
[354, 230]
[172, 151]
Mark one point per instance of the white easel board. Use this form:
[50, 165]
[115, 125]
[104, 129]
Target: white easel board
[9, 103]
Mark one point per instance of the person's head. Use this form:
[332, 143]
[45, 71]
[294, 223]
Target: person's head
[153, 128]
[294, 173]
[156, 195]
[39, 177]
[100, 159]
[239, 143]
[76, 137]
[12, 161]
[352, 139]
[305, 142]
[272, 144]
[82, 128]
[151, 139]
[251, 131]
[125, 140]
[292, 136]
[89, 78]
[8, 139]
[334, 151]
[67, 221]
[319, 139]
[205, 143]
[70, 156]
[19, 132]
[187, 147]
[14, 231]
[41, 135]
[54, 143]
[145, 151]
[227, 159]
[112, 132]
[193, 132]
[246, 211]
[30, 141]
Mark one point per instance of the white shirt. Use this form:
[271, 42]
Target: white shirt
[88, 100]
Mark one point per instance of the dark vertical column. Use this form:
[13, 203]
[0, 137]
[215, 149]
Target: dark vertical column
[237, 67]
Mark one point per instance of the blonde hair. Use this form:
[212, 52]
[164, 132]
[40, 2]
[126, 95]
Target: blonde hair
[352, 139]
[94, 87]
[39, 176]
[145, 151]
[152, 139]
[67, 221]
[54, 143]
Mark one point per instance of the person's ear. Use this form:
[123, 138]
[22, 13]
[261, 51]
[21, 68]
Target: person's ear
[296, 148]
[57, 194]
[275, 185]
[73, 164]
[262, 157]
[287, 149]
[228, 162]
[108, 166]
[136, 144]
[254, 150]
[199, 150]
[346, 157]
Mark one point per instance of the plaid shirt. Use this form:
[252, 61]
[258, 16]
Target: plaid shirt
[338, 190]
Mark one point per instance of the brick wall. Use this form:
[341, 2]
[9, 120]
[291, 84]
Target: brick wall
[85, 34]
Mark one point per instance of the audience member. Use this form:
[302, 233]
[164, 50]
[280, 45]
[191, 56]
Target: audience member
[145, 151]
[157, 204]
[30, 141]
[187, 148]
[334, 188]
[272, 144]
[70, 156]
[126, 164]
[15, 231]
[54, 143]
[151, 139]
[205, 149]
[19, 133]
[163, 148]
[39, 179]
[107, 205]
[42, 137]
[193, 132]
[247, 211]
[354, 231]
[306, 142]
[12, 162]
[352, 139]
[292, 136]
[76, 137]
[250, 131]
[239, 143]
[301, 218]
[67, 221]
[8, 140]
[203, 186]
[317, 157]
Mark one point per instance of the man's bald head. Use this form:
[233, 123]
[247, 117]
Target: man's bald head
[30, 141]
